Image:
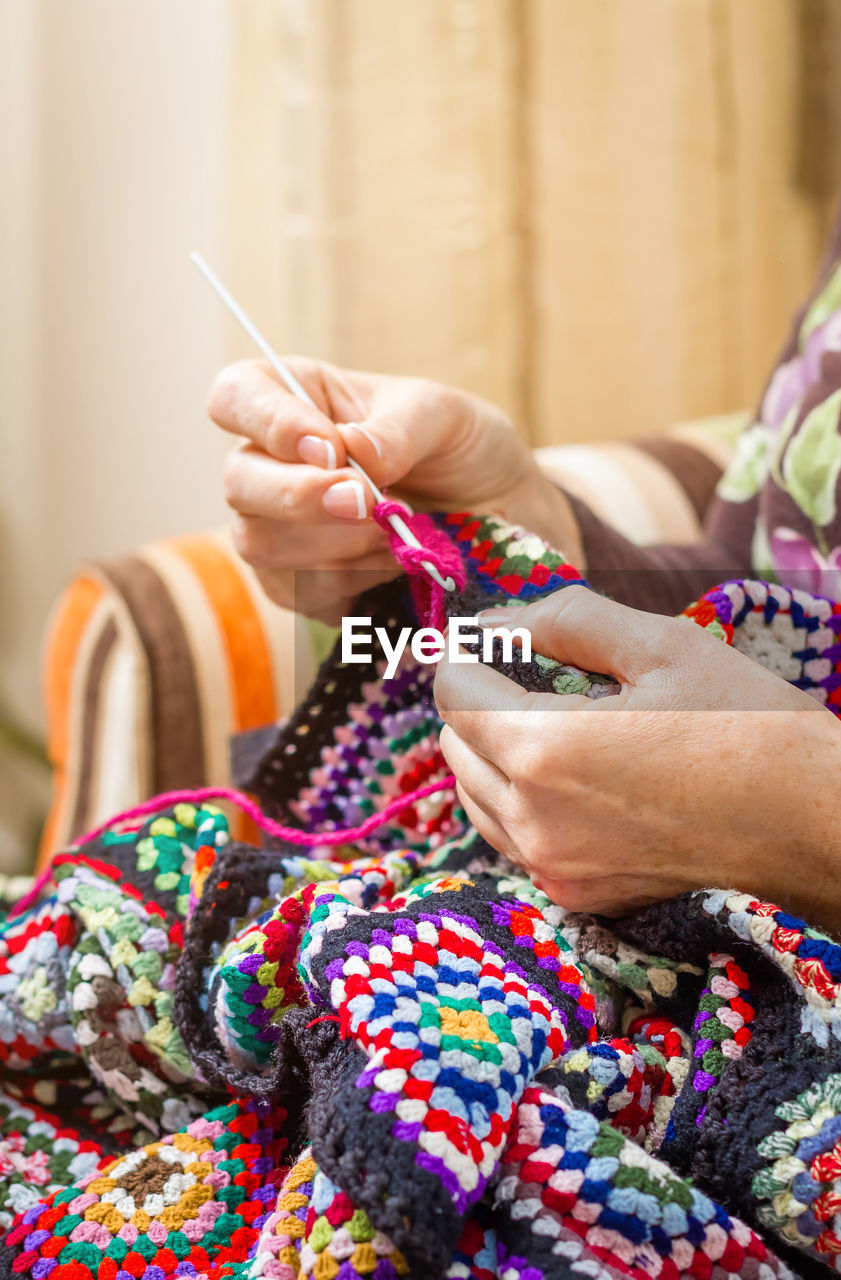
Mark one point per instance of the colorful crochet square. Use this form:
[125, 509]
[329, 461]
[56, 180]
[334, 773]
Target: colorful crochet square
[799, 1187]
[278, 1251]
[192, 1204]
[792, 633]
[457, 1001]
[618, 1081]
[316, 1232]
[34, 1014]
[572, 1187]
[504, 560]
[810, 959]
[39, 1154]
[93, 968]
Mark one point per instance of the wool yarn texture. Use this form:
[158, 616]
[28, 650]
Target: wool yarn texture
[397, 1058]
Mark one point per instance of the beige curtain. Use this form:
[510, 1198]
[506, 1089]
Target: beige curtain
[599, 213]
[113, 155]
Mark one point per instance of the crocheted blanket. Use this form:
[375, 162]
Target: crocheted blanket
[401, 1059]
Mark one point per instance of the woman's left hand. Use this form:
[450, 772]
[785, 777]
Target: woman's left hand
[706, 769]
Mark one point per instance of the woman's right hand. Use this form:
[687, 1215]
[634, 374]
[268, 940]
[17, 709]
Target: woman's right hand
[706, 769]
[298, 506]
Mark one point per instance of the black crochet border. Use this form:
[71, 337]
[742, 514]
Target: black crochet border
[244, 871]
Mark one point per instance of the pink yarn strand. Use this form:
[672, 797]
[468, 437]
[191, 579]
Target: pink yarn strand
[429, 598]
[291, 835]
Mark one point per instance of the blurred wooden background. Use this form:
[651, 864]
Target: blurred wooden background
[599, 213]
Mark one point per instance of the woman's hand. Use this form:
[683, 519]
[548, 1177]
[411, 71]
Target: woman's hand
[298, 506]
[705, 770]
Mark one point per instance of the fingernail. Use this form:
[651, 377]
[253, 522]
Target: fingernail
[317, 452]
[346, 499]
[367, 434]
[495, 617]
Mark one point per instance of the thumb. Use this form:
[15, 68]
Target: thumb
[577, 626]
[382, 445]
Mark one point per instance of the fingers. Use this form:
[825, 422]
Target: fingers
[473, 688]
[266, 543]
[407, 421]
[318, 593]
[486, 710]
[486, 824]
[475, 772]
[580, 627]
[481, 789]
[258, 485]
[247, 400]
[378, 452]
[390, 426]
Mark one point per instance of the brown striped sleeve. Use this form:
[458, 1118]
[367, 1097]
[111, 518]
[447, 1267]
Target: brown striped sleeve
[664, 576]
[696, 472]
[659, 578]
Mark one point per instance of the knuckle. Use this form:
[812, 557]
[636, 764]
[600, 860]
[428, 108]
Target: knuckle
[232, 478]
[435, 398]
[240, 536]
[574, 895]
[575, 605]
[673, 631]
[534, 763]
[441, 691]
[285, 503]
[667, 639]
[278, 589]
[525, 764]
[530, 848]
[449, 398]
[278, 420]
[424, 388]
[305, 368]
[223, 395]
[251, 542]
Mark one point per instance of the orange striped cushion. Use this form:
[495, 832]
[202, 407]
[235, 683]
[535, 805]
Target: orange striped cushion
[152, 663]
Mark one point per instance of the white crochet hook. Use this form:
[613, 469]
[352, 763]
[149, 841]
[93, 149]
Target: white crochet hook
[397, 523]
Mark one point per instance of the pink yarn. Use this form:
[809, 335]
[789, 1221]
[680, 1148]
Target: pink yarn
[291, 835]
[428, 596]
